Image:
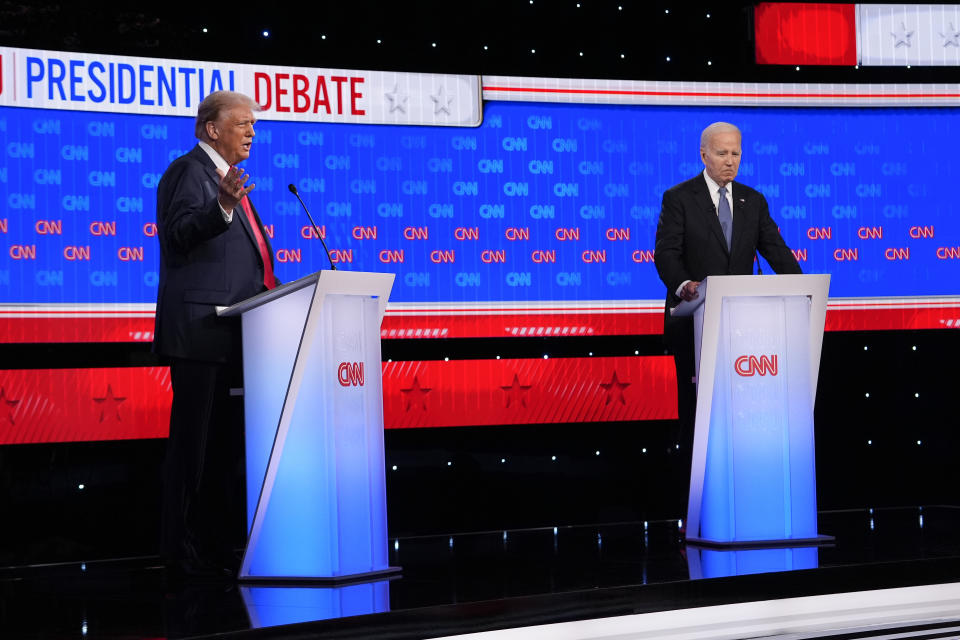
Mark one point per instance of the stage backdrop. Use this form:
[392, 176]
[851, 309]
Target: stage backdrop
[506, 207]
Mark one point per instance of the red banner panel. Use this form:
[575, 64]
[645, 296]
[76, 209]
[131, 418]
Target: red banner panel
[76, 405]
[876, 316]
[526, 391]
[610, 322]
[73, 329]
[805, 33]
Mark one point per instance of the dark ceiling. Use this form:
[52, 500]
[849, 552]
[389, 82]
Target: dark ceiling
[704, 41]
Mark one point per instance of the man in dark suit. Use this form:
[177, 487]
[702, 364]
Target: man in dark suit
[710, 225]
[214, 252]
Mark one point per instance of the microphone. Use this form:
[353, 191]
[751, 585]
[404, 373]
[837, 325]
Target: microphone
[293, 190]
[756, 256]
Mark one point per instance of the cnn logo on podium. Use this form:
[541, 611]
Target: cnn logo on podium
[755, 365]
[350, 374]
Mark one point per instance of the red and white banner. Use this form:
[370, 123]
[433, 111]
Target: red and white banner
[909, 34]
[20, 324]
[741, 94]
[124, 84]
[849, 34]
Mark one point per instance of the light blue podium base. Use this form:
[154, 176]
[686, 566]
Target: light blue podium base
[753, 472]
[316, 496]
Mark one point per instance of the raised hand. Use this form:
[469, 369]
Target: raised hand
[232, 187]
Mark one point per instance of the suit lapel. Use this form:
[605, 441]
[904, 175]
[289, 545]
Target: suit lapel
[259, 222]
[241, 215]
[740, 215]
[250, 234]
[708, 211]
[239, 212]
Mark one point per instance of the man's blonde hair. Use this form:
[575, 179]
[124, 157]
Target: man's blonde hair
[215, 104]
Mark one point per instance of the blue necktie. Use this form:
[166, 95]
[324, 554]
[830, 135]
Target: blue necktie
[726, 218]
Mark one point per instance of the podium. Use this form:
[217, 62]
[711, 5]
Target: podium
[313, 402]
[753, 473]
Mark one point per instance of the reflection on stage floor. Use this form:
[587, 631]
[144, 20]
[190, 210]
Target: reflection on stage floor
[487, 580]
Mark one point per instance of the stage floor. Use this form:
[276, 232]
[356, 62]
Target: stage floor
[489, 581]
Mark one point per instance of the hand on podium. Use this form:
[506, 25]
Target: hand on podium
[688, 291]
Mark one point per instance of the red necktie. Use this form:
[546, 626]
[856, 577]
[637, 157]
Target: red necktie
[268, 280]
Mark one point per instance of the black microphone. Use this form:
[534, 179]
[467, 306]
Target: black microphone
[293, 190]
[756, 256]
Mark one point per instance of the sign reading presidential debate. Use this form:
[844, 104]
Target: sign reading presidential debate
[552, 200]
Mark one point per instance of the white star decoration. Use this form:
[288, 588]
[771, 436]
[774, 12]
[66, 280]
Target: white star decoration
[901, 37]
[398, 101]
[951, 37]
[441, 102]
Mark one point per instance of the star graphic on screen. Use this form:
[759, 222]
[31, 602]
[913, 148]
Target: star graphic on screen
[951, 38]
[108, 402]
[516, 393]
[441, 102]
[614, 390]
[398, 101]
[416, 395]
[7, 402]
[901, 37]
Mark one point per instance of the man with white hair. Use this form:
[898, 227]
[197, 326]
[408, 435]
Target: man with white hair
[214, 251]
[710, 225]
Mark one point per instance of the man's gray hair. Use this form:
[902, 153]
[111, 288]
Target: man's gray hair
[215, 104]
[717, 127]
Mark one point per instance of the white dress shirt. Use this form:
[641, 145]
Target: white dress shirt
[714, 190]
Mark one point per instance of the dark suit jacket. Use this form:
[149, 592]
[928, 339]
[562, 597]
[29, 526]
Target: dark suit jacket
[204, 262]
[690, 243]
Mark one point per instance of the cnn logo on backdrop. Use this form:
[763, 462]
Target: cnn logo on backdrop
[756, 365]
[350, 374]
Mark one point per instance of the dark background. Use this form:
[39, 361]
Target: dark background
[891, 448]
